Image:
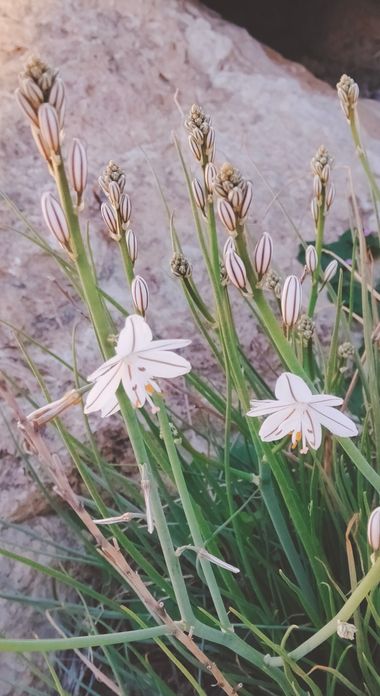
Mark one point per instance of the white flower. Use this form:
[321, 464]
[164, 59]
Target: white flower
[301, 414]
[138, 360]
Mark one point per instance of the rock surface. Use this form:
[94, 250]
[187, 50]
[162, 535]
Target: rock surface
[122, 64]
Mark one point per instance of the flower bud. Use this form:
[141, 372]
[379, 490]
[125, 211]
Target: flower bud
[125, 209]
[77, 166]
[140, 294]
[291, 298]
[114, 194]
[227, 214]
[55, 220]
[373, 529]
[103, 184]
[210, 139]
[40, 144]
[235, 197]
[330, 271]
[32, 92]
[27, 108]
[236, 270]
[325, 173]
[121, 182]
[132, 246]
[315, 210]
[110, 218]
[199, 195]
[57, 99]
[229, 246]
[311, 258]
[197, 135]
[180, 265]
[330, 195]
[195, 148]
[247, 200]
[49, 127]
[317, 186]
[263, 255]
[210, 176]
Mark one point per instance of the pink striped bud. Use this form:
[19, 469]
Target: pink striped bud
[210, 139]
[246, 202]
[263, 255]
[132, 246]
[314, 210]
[311, 258]
[114, 194]
[229, 246]
[227, 214]
[55, 220]
[125, 208]
[373, 529]
[291, 298]
[49, 127]
[195, 148]
[330, 195]
[235, 197]
[199, 195]
[28, 109]
[77, 166]
[57, 99]
[330, 271]
[110, 218]
[42, 149]
[140, 294]
[210, 176]
[235, 270]
[32, 92]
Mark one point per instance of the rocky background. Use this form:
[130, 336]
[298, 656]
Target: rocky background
[122, 64]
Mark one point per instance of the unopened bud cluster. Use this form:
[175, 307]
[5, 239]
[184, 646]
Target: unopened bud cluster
[41, 96]
[273, 282]
[306, 328]
[116, 211]
[346, 351]
[180, 266]
[201, 135]
[323, 190]
[235, 196]
[348, 93]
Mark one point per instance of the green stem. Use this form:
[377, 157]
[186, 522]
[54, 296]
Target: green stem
[354, 125]
[127, 263]
[191, 515]
[368, 583]
[319, 233]
[49, 644]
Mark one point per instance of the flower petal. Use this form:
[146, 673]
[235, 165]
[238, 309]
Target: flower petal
[134, 385]
[335, 421]
[280, 424]
[264, 407]
[103, 368]
[111, 407]
[325, 400]
[311, 429]
[104, 388]
[167, 344]
[161, 363]
[135, 335]
[290, 387]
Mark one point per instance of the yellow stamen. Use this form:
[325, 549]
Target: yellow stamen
[149, 389]
[297, 437]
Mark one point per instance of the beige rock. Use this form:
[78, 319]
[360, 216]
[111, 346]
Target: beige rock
[122, 64]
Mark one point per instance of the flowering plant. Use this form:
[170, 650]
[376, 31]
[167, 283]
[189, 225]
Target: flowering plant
[226, 530]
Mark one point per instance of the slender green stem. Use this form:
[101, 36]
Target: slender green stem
[127, 263]
[190, 514]
[45, 645]
[354, 125]
[319, 233]
[368, 583]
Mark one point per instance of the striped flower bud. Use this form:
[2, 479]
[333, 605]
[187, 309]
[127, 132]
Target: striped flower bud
[325, 173]
[42, 149]
[110, 218]
[195, 148]
[247, 200]
[49, 127]
[236, 270]
[210, 176]
[235, 197]
[263, 254]
[57, 99]
[317, 186]
[210, 139]
[140, 294]
[32, 92]
[291, 298]
[121, 182]
[229, 246]
[199, 195]
[103, 184]
[373, 529]
[315, 210]
[330, 195]
[311, 258]
[227, 214]
[330, 271]
[114, 194]
[55, 220]
[28, 109]
[125, 209]
[77, 166]
[132, 246]
[197, 135]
